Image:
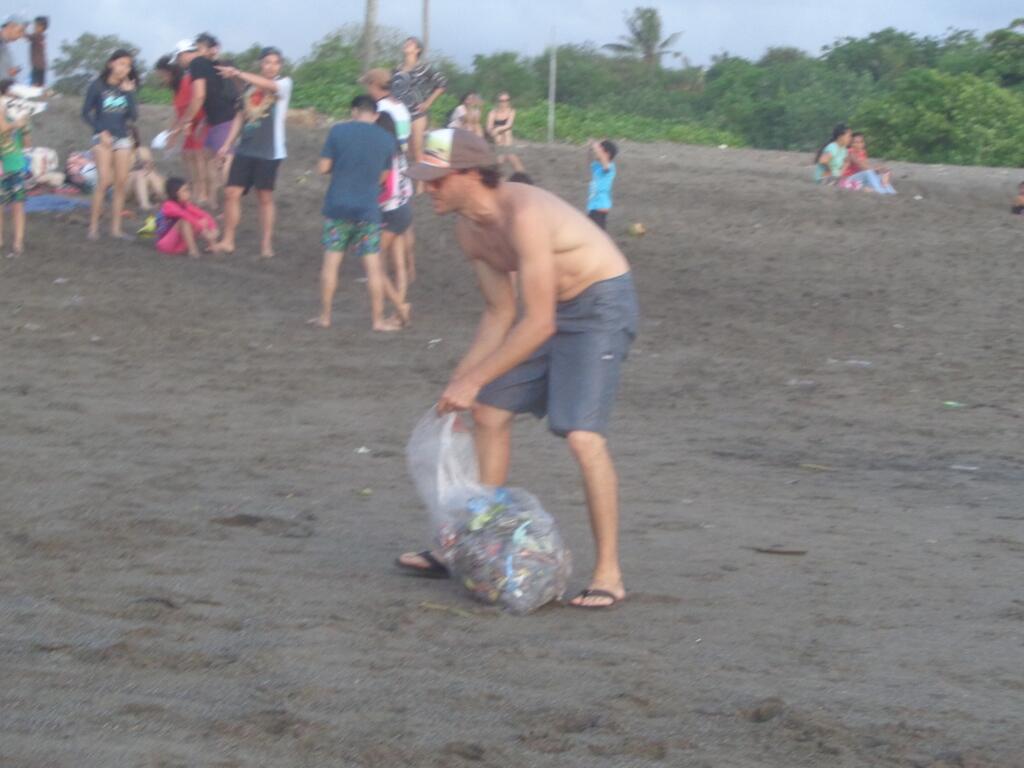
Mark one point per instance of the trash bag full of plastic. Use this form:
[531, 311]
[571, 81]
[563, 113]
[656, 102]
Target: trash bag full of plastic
[499, 543]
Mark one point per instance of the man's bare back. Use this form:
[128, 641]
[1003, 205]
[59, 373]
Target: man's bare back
[583, 253]
[553, 350]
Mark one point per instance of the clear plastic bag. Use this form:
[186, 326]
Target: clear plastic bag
[499, 543]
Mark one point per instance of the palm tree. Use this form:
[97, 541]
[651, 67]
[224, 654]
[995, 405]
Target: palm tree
[644, 38]
[369, 34]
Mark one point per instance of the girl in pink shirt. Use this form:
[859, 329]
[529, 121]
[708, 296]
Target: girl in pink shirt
[180, 221]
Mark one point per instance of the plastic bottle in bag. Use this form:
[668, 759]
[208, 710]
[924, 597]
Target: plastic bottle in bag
[499, 543]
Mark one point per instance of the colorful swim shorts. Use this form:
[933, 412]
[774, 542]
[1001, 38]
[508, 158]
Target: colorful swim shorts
[362, 236]
[12, 188]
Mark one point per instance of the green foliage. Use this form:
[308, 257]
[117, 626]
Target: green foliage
[933, 117]
[1007, 53]
[955, 99]
[884, 54]
[507, 71]
[644, 37]
[576, 125]
[788, 105]
[82, 60]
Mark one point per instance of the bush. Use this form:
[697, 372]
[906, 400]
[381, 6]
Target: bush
[932, 117]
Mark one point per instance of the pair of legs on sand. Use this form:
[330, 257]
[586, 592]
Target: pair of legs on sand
[113, 165]
[233, 214]
[365, 240]
[147, 186]
[184, 237]
[17, 209]
[493, 436]
[12, 197]
[244, 174]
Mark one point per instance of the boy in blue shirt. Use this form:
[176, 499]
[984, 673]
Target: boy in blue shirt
[357, 156]
[602, 176]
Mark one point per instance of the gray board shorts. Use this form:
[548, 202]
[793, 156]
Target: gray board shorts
[574, 377]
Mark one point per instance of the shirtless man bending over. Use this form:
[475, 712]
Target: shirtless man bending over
[563, 355]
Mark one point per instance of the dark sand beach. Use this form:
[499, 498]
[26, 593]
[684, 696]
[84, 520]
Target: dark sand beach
[196, 547]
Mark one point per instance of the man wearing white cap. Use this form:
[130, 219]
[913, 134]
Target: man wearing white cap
[195, 132]
[561, 356]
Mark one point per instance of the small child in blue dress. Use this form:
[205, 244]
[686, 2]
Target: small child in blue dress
[602, 176]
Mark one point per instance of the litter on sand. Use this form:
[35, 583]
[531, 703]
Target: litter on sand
[498, 543]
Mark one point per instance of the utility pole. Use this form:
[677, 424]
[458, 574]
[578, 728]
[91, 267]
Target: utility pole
[552, 85]
[426, 25]
[369, 34]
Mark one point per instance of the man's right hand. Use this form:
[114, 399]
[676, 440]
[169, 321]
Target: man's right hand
[106, 139]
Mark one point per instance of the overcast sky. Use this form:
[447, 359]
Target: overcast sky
[461, 28]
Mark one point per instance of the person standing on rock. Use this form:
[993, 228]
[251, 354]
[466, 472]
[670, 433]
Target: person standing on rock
[561, 356]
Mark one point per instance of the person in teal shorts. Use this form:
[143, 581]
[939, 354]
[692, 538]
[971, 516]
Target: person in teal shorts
[357, 156]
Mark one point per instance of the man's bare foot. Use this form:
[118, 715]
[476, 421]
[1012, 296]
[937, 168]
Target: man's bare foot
[222, 247]
[424, 563]
[266, 254]
[405, 314]
[388, 325]
[599, 595]
[93, 235]
[319, 321]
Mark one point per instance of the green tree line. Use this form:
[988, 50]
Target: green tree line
[958, 98]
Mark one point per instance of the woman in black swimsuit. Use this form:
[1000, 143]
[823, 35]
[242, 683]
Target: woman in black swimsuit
[500, 122]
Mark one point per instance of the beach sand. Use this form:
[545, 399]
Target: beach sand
[196, 550]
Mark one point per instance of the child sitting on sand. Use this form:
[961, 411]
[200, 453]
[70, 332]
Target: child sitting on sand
[180, 220]
[1018, 202]
[859, 171]
[832, 159]
[14, 140]
[144, 180]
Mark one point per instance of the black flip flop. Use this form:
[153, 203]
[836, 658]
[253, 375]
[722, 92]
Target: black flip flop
[596, 593]
[434, 570]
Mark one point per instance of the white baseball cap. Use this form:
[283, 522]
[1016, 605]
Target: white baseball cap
[183, 46]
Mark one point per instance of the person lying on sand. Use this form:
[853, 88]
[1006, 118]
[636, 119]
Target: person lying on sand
[1018, 202]
[561, 357]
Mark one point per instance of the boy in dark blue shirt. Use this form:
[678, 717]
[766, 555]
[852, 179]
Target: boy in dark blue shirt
[357, 156]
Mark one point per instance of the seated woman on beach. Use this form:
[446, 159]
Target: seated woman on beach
[144, 180]
[832, 159]
[467, 114]
[1018, 202]
[861, 173]
[500, 122]
[181, 220]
